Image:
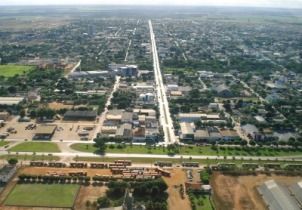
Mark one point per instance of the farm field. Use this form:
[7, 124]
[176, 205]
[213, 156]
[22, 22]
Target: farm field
[190, 150]
[239, 192]
[43, 195]
[36, 147]
[12, 70]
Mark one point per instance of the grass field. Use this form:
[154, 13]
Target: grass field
[3, 143]
[191, 150]
[36, 147]
[43, 195]
[12, 70]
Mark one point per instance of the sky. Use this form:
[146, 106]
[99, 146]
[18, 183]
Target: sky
[248, 3]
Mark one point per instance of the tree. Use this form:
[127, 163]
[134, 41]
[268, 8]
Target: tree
[100, 144]
[12, 161]
[103, 202]
[22, 113]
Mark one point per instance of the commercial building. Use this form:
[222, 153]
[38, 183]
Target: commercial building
[187, 131]
[45, 132]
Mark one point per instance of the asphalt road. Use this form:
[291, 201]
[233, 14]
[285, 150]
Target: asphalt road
[165, 116]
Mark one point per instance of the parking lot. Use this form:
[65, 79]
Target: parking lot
[69, 131]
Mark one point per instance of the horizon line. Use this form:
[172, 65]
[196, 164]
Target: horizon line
[153, 5]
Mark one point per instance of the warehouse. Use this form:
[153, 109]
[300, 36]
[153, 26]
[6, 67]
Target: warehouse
[296, 190]
[80, 115]
[277, 197]
[10, 101]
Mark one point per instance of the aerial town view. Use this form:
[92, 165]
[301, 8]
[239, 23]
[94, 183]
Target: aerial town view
[150, 105]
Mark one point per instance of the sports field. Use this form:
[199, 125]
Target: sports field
[43, 195]
[11, 70]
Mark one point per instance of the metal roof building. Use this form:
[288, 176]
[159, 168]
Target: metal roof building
[277, 197]
[296, 190]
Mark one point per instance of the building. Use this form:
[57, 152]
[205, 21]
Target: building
[124, 131]
[250, 130]
[128, 71]
[228, 134]
[296, 190]
[80, 115]
[223, 91]
[201, 135]
[45, 132]
[187, 131]
[190, 117]
[277, 197]
[9, 101]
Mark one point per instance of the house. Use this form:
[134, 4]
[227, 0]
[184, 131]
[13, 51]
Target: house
[223, 91]
[187, 131]
[214, 106]
[260, 119]
[45, 132]
[80, 115]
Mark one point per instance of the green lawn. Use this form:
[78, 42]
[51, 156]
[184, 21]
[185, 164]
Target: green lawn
[12, 70]
[36, 147]
[46, 195]
[3, 143]
[191, 150]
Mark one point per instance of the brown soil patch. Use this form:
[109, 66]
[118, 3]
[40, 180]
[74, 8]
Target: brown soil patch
[91, 193]
[57, 106]
[232, 192]
[175, 202]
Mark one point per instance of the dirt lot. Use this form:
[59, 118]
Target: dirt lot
[65, 130]
[58, 106]
[175, 202]
[91, 193]
[231, 192]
